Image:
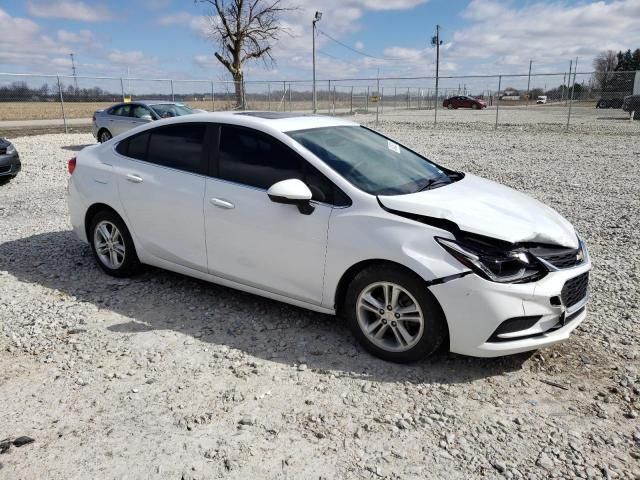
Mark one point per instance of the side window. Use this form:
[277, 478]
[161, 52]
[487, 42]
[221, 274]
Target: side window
[134, 147]
[121, 110]
[322, 188]
[178, 146]
[254, 159]
[140, 111]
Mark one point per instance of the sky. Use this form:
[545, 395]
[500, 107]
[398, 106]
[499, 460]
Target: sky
[170, 38]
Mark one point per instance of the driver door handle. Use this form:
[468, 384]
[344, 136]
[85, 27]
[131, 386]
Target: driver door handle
[133, 178]
[219, 202]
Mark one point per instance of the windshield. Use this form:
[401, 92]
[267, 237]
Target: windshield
[166, 110]
[370, 161]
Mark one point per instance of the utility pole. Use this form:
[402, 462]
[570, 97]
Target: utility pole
[529, 83]
[566, 98]
[435, 41]
[73, 70]
[317, 17]
[573, 86]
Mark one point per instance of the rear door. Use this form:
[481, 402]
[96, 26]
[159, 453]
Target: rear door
[161, 183]
[118, 119]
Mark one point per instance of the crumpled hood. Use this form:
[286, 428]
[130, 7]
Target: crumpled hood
[487, 208]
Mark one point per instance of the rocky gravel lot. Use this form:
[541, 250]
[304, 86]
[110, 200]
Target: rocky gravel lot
[163, 376]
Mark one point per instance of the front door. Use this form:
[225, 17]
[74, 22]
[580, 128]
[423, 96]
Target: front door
[251, 239]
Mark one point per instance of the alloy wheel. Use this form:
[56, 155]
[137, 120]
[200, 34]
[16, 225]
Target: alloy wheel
[109, 245]
[390, 317]
[105, 136]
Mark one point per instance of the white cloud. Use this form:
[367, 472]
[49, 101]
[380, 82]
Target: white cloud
[75, 37]
[548, 32]
[69, 10]
[131, 58]
[359, 45]
[29, 47]
[199, 24]
[391, 4]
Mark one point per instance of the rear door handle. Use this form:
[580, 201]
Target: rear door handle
[219, 202]
[133, 178]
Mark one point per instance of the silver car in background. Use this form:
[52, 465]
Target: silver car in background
[112, 121]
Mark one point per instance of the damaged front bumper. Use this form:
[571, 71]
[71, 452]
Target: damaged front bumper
[488, 319]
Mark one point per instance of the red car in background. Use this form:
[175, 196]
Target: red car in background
[463, 101]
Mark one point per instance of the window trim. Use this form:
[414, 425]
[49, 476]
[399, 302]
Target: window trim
[205, 156]
[214, 169]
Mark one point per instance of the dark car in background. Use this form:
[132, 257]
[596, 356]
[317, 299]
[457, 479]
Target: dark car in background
[609, 103]
[464, 101]
[9, 161]
[632, 104]
[121, 117]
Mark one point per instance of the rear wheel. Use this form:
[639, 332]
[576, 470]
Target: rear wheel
[393, 315]
[602, 104]
[112, 245]
[104, 135]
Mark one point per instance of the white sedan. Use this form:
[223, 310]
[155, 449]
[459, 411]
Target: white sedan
[332, 216]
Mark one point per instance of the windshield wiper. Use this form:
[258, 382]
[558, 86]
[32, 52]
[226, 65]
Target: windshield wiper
[435, 182]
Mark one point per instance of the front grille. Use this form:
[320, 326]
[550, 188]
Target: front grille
[563, 258]
[575, 289]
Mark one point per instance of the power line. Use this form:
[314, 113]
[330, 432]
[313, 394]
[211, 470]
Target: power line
[389, 59]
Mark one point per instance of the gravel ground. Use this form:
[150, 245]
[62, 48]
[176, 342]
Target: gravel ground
[163, 376]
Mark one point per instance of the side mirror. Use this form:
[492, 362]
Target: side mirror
[146, 118]
[292, 192]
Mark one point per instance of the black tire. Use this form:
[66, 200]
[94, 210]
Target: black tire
[450, 106]
[435, 328]
[130, 263]
[104, 135]
[474, 106]
[602, 104]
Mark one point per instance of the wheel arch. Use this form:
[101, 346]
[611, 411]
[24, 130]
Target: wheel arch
[91, 212]
[351, 272]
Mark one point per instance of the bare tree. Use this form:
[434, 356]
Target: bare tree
[604, 64]
[244, 30]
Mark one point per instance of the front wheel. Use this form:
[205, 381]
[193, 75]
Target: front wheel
[474, 106]
[450, 107]
[393, 315]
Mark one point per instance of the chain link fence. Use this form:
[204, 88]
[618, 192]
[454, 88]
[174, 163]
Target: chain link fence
[554, 99]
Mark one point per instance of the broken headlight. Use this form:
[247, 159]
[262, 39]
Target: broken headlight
[509, 266]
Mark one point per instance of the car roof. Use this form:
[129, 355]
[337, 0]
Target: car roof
[156, 102]
[280, 121]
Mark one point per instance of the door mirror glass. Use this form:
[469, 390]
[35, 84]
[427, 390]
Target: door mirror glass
[146, 117]
[292, 192]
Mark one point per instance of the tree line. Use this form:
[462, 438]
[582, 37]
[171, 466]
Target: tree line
[612, 70]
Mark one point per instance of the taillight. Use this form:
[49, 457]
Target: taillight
[94, 118]
[72, 165]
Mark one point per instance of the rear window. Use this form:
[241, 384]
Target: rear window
[178, 146]
[134, 147]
